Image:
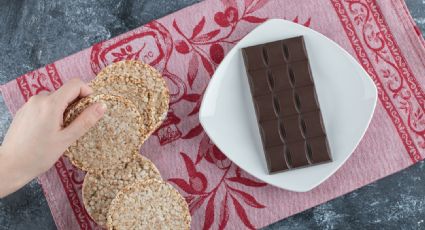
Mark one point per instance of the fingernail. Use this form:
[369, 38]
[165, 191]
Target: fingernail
[101, 108]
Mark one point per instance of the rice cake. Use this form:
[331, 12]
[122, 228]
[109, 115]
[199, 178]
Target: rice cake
[140, 83]
[99, 188]
[131, 68]
[149, 94]
[112, 141]
[150, 204]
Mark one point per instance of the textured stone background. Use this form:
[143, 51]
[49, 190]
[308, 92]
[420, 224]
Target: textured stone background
[34, 33]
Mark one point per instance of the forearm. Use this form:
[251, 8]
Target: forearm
[12, 175]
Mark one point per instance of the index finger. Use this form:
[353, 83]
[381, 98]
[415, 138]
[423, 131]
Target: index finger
[71, 90]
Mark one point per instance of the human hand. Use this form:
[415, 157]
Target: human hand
[36, 138]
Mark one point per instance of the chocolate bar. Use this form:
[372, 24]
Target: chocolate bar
[286, 106]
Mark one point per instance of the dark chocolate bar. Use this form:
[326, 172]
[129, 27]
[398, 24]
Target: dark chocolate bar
[286, 106]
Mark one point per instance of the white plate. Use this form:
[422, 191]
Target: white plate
[346, 94]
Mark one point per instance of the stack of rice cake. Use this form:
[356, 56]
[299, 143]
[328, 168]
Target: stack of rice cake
[123, 189]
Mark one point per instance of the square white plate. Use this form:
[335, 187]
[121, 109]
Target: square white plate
[346, 94]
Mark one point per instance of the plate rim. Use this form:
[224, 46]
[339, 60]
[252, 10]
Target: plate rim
[234, 49]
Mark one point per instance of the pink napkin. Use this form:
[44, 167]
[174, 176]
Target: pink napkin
[188, 45]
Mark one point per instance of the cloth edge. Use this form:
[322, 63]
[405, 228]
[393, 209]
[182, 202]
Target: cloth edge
[51, 201]
[404, 15]
[343, 194]
[10, 106]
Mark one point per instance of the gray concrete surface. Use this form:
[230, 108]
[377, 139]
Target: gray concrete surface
[34, 33]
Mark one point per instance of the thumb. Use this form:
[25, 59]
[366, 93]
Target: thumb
[87, 119]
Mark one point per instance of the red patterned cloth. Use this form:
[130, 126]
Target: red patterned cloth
[188, 45]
